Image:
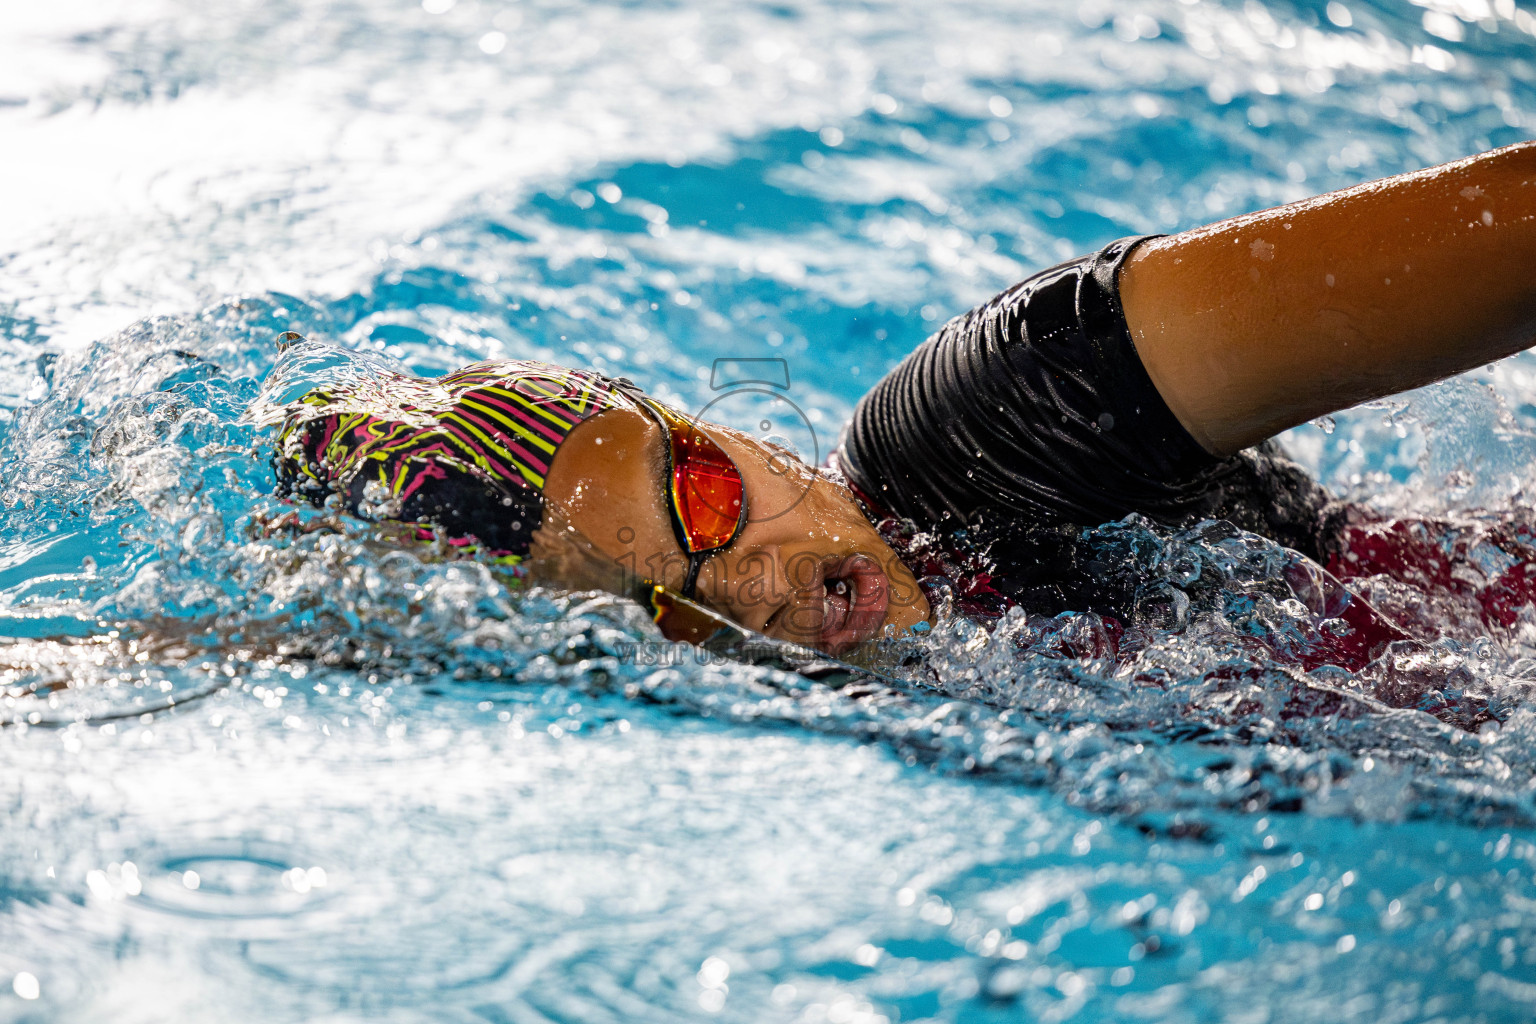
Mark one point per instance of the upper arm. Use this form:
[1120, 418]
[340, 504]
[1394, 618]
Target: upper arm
[1257, 323]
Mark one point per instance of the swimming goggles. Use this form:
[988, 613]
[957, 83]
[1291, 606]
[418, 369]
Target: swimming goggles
[705, 495]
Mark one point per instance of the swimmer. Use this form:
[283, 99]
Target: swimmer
[1148, 377]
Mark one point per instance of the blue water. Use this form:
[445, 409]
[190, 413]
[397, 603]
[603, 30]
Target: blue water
[256, 776]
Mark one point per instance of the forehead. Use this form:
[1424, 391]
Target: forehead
[619, 448]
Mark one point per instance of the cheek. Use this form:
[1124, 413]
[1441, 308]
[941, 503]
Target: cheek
[832, 517]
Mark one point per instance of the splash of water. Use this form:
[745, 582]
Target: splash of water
[1234, 684]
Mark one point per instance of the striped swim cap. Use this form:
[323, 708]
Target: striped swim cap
[464, 456]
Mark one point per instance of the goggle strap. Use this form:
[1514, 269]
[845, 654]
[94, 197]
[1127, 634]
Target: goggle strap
[690, 585]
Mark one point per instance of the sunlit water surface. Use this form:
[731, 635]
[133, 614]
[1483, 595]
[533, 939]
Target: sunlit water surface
[270, 777]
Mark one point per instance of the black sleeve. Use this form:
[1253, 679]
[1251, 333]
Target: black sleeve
[1034, 409]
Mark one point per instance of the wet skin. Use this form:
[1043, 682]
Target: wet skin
[807, 567]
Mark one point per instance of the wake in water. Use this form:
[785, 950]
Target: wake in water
[147, 573]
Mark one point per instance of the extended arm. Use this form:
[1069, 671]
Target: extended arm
[1258, 323]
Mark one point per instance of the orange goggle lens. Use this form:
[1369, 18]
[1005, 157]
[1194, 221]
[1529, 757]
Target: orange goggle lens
[707, 496]
[706, 492]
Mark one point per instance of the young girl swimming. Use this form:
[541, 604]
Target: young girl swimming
[1144, 378]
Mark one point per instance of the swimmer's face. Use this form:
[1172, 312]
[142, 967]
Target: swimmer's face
[807, 567]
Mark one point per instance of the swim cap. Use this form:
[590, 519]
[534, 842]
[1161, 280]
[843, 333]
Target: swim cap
[464, 455]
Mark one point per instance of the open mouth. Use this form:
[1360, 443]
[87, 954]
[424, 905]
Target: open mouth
[856, 595]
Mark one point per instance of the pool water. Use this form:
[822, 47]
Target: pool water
[256, 775]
